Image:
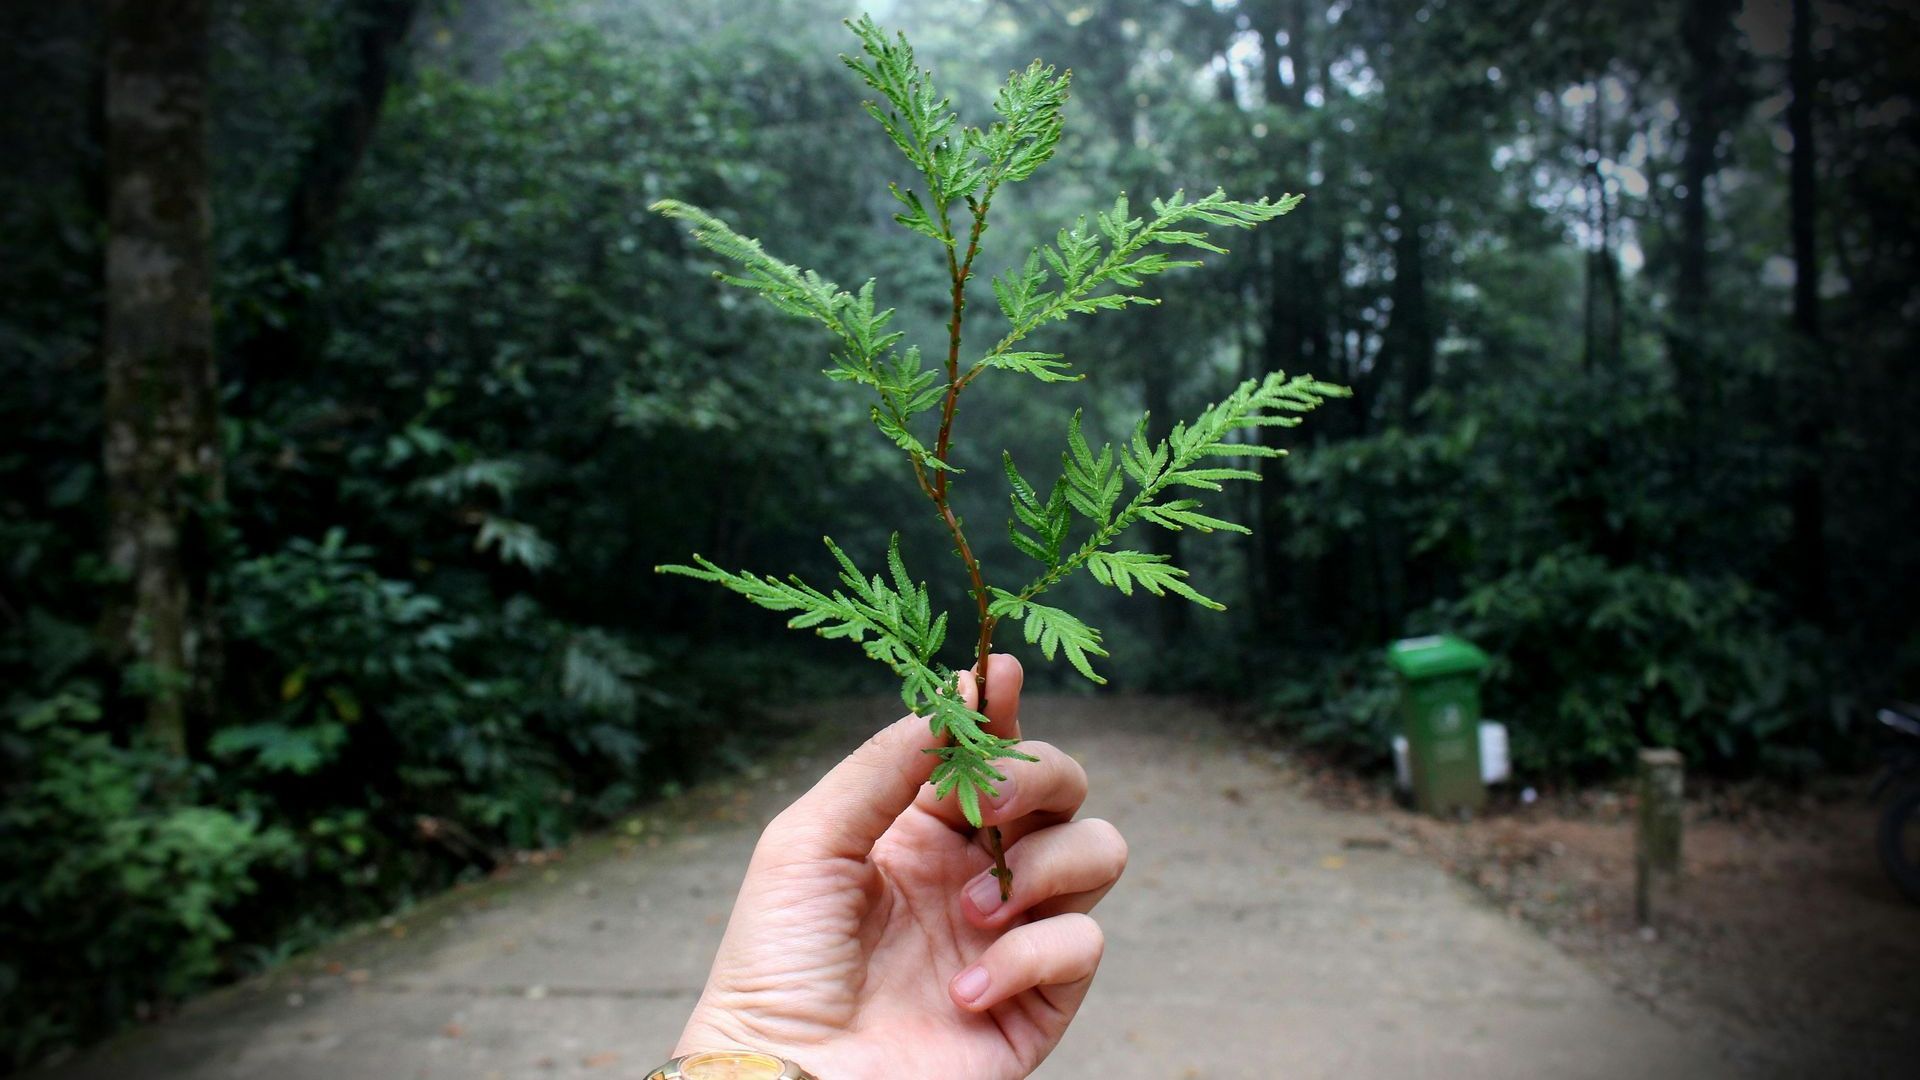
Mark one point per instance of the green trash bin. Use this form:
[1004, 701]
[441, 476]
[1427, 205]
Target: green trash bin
[1440, 717]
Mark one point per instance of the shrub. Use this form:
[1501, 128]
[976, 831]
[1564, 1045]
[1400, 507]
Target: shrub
[1594, 661]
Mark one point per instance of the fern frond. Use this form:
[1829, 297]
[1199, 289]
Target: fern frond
[801, 293]
[1103, 262]
[1154, 573]
[1052, 629]
[917, 117]
[1092, 482]
[1045, 366]
[1115, 252]
[1031, 105]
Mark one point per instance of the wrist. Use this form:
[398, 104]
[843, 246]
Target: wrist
[730, 1065]
[708, 1034]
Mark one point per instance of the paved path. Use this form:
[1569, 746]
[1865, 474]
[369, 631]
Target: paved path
[1255, 935]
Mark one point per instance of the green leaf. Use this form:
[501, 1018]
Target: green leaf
[1024, 497]
[1209, 479]
[1093, 484]
[1053, 630]
[1047, 520]
[913, 115]
[1180, 514]
[1145, 462]
[280, 747]
[295, 683]
[1154, 573]
[1032, 104]
[1045, 366]
[515, 542]
[915, 216]
[970, 803]
[890, 426]
[801, 293]
[1019, 292]
[1114, 253]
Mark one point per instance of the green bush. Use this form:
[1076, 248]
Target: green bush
[1345, 703]
[1590, 663]
[117, 886]
[1593, 662]
[384, 741]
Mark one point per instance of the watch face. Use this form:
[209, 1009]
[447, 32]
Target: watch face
[732, 1065]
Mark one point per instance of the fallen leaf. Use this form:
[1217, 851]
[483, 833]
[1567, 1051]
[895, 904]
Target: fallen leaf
[1333, 862]
[600, 1060]
[453, 1031]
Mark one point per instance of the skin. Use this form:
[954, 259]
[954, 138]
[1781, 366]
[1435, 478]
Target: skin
[868, 939]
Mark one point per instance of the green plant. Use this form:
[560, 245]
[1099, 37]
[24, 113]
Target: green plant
[1596, 661]
[1085, 271]
[116, 885]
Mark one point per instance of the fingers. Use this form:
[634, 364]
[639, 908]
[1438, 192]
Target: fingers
[1059, 869]
[1034, 794]
[1055, 957]
[1004, 680]
[860, 798]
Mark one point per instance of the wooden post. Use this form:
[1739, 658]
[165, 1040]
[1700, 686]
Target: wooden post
[1657, 845]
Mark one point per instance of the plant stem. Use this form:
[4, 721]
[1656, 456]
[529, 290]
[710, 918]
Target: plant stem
[959, 269]
[1000, 871]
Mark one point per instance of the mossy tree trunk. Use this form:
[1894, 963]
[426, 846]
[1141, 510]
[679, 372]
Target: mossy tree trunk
[162, 454]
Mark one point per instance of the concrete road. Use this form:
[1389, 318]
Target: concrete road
[1255, 935]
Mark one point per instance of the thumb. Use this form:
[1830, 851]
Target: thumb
[860, 798]
[1004, 680]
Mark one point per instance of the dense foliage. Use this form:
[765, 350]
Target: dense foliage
[1624, 295]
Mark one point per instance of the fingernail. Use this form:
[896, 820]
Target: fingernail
[970, 984]
[1003, 794]
[985, 894]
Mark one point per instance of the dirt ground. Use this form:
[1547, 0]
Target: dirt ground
[1785, 937]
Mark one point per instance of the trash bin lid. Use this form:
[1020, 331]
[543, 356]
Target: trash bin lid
[1431, 657]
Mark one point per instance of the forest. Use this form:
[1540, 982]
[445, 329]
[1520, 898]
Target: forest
[353, 392]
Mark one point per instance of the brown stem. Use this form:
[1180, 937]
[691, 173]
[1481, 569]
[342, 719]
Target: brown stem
[1000, 870]
[959, 270]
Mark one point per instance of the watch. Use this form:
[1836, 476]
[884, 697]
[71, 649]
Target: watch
[729, 1065]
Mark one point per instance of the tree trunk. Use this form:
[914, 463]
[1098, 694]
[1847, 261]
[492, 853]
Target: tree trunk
[1294, 317]
[1409, 335]
[1603, 265]
[379, 30]
[1807, 545]
[1704, 29]
[162, 453]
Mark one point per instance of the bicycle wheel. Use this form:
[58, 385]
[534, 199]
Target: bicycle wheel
[1900, 841]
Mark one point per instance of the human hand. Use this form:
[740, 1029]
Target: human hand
[869, 941]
